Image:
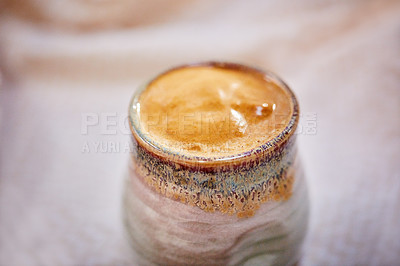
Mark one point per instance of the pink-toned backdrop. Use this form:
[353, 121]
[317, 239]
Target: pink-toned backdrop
[60, 199]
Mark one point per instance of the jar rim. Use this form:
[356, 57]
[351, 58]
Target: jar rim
[265, 148]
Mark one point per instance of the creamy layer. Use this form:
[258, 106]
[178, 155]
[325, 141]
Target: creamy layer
[213, 111]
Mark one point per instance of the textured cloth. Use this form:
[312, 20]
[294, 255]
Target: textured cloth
[60, 186]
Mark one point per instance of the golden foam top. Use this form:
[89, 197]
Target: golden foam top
[211, 111]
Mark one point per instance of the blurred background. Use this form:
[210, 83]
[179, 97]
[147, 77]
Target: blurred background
[69, 68]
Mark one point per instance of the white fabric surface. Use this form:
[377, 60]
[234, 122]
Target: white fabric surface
[61, 206]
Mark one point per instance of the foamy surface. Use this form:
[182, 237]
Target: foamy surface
[213, 111]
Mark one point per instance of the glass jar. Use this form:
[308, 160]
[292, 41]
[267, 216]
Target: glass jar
[247, 209]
